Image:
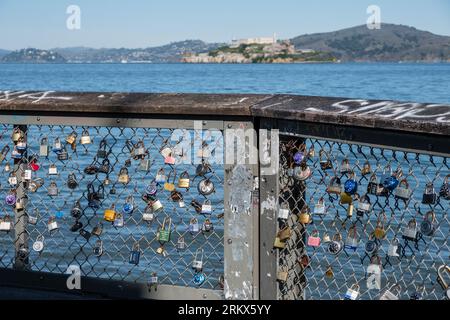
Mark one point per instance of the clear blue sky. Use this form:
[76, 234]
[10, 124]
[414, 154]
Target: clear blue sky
[143, 23]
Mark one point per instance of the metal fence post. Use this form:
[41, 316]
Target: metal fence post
[241, 206]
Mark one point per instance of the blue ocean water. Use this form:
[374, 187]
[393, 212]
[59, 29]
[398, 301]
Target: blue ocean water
[393, 81]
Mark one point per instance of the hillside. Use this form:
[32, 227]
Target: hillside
[390, 43]
[32, 55]
[3, 52]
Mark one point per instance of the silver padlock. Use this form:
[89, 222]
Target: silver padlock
[53, 189]
[197, 264]
[389, 293]
[52, 225]
[38, 245]
[43, 148]
[283, 212]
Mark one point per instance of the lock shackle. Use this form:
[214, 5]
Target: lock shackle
[130, 199]
[337, 237]
[167, 222]
[169, 176]
[106, 162]
[197, 252]
[381, 223]
[322, 154]
[355, 287]
[429, 188]
[184, 175]
[136, 246]
[207, 202]
[103, 145]
[447, 179]
[5, 150]
[353, 230]
[396, 287]
[404, 182]
[123, 170]
[412, 223]
[193, 221]
[375, 259]
[321, 201]
[373, 178]
[130, 146]
[44, 141]
[430, 216]
[335, 181]
[441, 270]
[315, 233]
[40, 238]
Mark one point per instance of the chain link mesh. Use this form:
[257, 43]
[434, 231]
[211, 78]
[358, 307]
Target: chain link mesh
[306, 267]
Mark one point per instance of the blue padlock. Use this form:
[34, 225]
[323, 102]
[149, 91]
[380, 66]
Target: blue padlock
[199, 279]
[59, 214]
[135, 254]
[128, 207]
[298, 158]
[351, 186]
[391, 183]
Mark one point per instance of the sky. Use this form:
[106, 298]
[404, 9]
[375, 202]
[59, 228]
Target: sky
[146, 23]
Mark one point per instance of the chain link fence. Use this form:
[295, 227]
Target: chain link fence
[360, 222]
[121, 203]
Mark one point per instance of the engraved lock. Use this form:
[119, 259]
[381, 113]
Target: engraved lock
[283, 211]
[184, 181]
[336, 245]
[363, 205]
[63, 155]
[16, 154]
[305, 216]
[110, 214]
[52, 170]
[314, 239]
[52, 189]
[335, 186]
[410, 232]
[135, 254]
[380, 232]
[12, 179]
[105, 167]
[72, 138]
[428, 225]
[390, 294]
[140, 151]
[181, 244]
[403, 191]
[156, 205]
[6, 223]
[160, 177]
[324, 160]
[38, 244]
[85, 137]
[429, 197]
[57, 145]
[148, 215]
[345, 167]
[444, 192]
[4, 153]
[303, 172]
[98, 248]
[102, 150]
[207, 226]
[17, 134]
[207, 207]
[123, 176]
[164, 232]
[194, 226]
[76, 211]
[393, 249]
[352, 292]
[371, 246]
[119, 221]
[351, 185]
[128, 206]
[206, 187]
[352, 241]
[72, 182]
[76, 226]
[441, 279]
[169, 185]
[98, 229]
[52, 224]
[366, 169]
[197, 263]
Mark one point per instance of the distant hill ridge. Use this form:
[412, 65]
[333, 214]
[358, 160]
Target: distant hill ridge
[390, 43]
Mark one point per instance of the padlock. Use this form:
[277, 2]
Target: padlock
[98, 248]
[380, 232]
[57, 145]
[184, 181]
[72, 181]
[85, 137]
[410, 232]
[284, 234]
[345, 167]
[304, 261]
[33, 219]
[373, 273]
[144, 165]
[11, 198]
[106, 181]
[299, 156]
[6, 223]
[21, 145]
[170, 160]
[351, 185]
[17, 134]
[157, 206]
[91, 170]
[102, 150]
[4, 153]
[203, 169]
[207, 226]
[52, 170]
[148, 214]
[366, 169]
[335, 186]
[130, 146]
[279, 244]
[20, 203]
[303, 172]
[43, 148]
[85, 234]
[38, 244]
[169, 185]
[305, 216]
[63, 155]
[181, 244]
[314, 239]
[33, 164]
[207, 207]
[52, 225]
[429, 197]
[345, 198]
[59, 214]
[444, 192]
[199, 278]
[428, 225]
[176, 196]
[194, 226]
[326, 238]
[206, 187]
[135, 254]
[98, 229]
[390, 295]
[363, 205]
[52, 189]
[164, 232]
[393, 249]
[16, 154]
[123, 176]
[128, 206]
[119, 221]
[282, 275]
[329, 273]
[110, 214]
[283, 211]
[105, 167]
[197, 206]
[140, 151]
[324, 160]
[352, 292]
[72, 138]
[441, 279]
[7, 167]
[352, 241]
[76, 211]
[160, 177]
[371, 246]
[153, 280]
[390, 180]
[197, 263]
[12, 179]
[76, 226]
[403, 191]
[336, 245]
[372, 186]
[165, 152]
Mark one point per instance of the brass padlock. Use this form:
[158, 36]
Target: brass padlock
[184, 181]
[284, 234]
[305, 216]
[169, 185]
[17, 134]
[335, 186]
[85, 137]
[380, 232]
[71, 138]
[123, 176]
